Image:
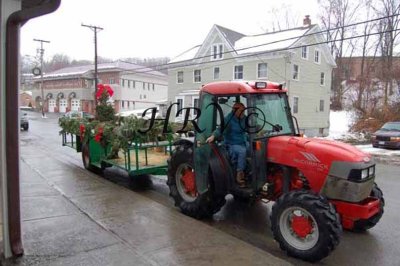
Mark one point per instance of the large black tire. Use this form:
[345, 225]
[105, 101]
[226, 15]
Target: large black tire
[363, 225]
[86, 160]
[322, 225]
[200, 205]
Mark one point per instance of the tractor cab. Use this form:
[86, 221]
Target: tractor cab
[267, 114]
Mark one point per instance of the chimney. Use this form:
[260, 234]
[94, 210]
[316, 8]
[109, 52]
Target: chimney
[307, 21]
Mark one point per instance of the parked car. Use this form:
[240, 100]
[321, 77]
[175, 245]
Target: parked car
[24, 122]
[78, 114]
[388, 136]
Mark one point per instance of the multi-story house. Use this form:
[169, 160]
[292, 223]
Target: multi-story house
[72, 88]
[297, 57]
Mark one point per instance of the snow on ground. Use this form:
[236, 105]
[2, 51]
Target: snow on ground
[339, 124]
[339, 130]
[378, 151]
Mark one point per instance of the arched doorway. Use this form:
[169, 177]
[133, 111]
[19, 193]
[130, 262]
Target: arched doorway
[75, 103]
[62, 103]
[51, 103]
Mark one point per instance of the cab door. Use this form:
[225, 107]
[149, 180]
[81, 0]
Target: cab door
[202, 150]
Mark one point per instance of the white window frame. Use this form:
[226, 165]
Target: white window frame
[194, 98]
[183, 105]
[317, 51]
[219, 72]
[219, 51]
[194, 76]
[298, 100]
[258, 71]
[177, 77]
[302, 52]
[322, 79]
[234, 72]
[298, 72]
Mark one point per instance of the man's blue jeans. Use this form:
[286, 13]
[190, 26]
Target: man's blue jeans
[237, 153]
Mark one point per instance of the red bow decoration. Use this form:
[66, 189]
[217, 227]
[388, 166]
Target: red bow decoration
[99, 135]
[101, 88]
[82, 130]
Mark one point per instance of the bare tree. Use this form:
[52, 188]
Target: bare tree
[369, 49]
[283, 18]
[338, 14]
[57, 61]
[388, 40]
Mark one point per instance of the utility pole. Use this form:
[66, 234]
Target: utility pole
[95, 30]
[41, 71]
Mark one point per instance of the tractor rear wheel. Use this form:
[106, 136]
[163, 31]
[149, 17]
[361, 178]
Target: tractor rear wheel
[363, 225]
[182, 185]
[305, 225]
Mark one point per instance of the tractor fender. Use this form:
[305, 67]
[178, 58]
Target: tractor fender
[220, 170]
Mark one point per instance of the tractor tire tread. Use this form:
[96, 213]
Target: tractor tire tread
[328, 220]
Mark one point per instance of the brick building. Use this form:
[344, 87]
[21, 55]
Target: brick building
[72, 88]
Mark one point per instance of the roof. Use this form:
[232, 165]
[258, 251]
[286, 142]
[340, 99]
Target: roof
[187, 55]
[241, 87]
[239, 41]
[230, 35]
[258, 40]
[117, 66]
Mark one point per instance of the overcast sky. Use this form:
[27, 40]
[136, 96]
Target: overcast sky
[150, 28]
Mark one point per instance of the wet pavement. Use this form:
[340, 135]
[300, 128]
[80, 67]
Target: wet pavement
[74, 217]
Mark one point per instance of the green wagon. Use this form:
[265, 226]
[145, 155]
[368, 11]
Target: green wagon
[138, 158]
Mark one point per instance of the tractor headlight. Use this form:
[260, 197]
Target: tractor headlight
[364, 173]
[372, 170]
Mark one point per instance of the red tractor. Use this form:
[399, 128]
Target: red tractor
[318, 186]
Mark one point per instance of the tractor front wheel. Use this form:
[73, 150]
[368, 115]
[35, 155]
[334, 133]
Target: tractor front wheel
[365, 224]
[182, 185]
[305, 225]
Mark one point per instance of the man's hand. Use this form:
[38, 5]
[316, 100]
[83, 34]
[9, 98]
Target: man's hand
[210, 139]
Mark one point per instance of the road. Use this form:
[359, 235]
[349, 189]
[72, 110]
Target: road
[378, 246]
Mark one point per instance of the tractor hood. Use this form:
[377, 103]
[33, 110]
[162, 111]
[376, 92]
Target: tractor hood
[314, 158]
[320, 153]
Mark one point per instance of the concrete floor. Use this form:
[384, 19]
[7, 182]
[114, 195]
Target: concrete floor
[73, 217]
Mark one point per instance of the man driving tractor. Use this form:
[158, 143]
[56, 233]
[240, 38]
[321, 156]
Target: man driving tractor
[235, 139]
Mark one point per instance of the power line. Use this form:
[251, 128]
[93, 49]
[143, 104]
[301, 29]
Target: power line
[261, 53]
[268, 43]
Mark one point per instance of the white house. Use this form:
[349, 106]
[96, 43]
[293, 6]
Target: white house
[297, 57]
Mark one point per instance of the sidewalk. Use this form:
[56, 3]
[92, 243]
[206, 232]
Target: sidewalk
[73, 217]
